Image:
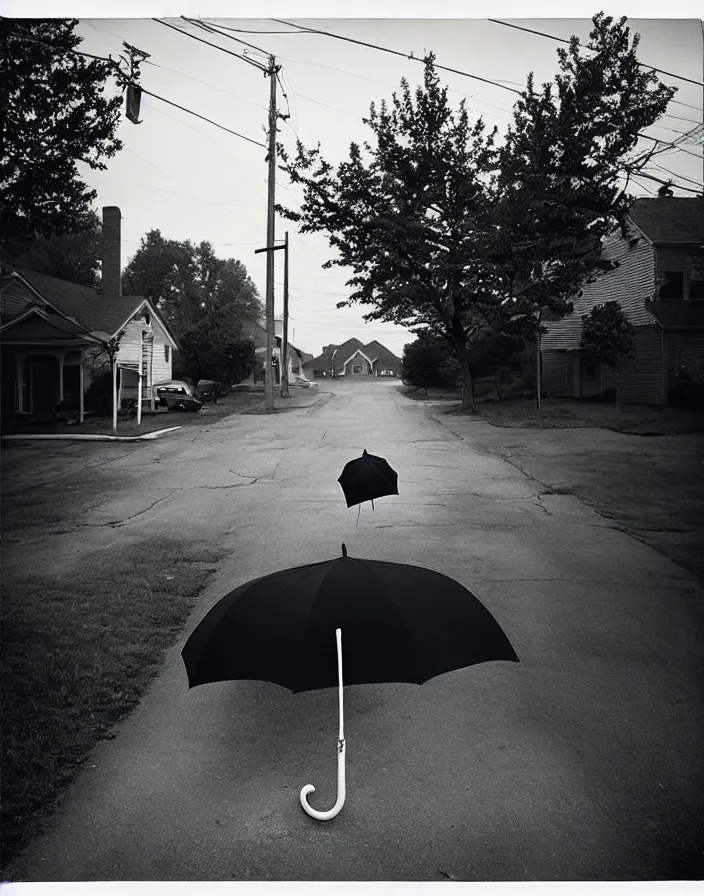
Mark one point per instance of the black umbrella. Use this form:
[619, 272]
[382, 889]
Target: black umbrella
[368, 477]
[402, 623]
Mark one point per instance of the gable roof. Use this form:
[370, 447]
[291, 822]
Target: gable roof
[362, 354]
[376, 350]
[105, 315]
[37, 326]
[670, 219]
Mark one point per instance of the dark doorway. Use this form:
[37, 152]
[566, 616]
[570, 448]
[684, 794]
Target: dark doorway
[44, 383]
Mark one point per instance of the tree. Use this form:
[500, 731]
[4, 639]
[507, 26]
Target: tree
[56, 110]
[559, 187]
[428, 362]
[71, 256]
[188, 284]
[407, 215]
[210, 353]
[608, 335]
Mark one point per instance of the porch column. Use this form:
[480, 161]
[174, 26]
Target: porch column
[81, 387]
[19, 382]
[61, 358]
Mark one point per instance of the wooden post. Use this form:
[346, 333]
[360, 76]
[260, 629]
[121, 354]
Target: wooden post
[114, 391]
[81, 389]
[269, 371]
[285, 393]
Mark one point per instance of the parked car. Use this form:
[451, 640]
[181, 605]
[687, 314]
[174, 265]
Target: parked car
[170, 387]
[210, 390]
[182, 402]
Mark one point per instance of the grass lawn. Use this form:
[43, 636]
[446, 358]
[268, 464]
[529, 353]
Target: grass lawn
[557, 413]
[83, 634]
[644, 420]
[234, 403]
[72, 666]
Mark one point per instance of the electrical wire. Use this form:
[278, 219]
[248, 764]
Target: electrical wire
[437, 65]
[681, 176]
[362, 43]
[203, 118]
[209, 44]
[563, 40]
[668, 143]
[214, 29]
[252, 31]
[156, 96]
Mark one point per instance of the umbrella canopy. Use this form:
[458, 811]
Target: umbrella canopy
[401, 623]
[366, 478]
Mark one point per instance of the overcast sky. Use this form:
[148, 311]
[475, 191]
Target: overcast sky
[193, 181]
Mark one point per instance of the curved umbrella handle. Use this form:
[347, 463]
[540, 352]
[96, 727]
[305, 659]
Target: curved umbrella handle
[341, 792]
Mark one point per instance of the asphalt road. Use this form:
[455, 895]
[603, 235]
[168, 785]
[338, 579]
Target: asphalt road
[584, 762]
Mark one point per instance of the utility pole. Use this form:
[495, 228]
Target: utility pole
[284, 347]
[269, 372]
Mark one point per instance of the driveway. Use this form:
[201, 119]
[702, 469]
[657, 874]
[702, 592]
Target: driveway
[584, 762]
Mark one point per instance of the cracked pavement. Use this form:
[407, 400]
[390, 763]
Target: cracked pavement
[584, 762]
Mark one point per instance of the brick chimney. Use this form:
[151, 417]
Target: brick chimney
[112, 236]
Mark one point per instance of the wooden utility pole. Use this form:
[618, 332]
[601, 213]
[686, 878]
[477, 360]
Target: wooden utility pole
[270, 236]
[285, 393]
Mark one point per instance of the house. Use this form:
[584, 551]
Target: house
[354, 359]
[53, 335]
[658, 280]
[256, 330]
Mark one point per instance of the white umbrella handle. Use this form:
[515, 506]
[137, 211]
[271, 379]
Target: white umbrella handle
[341, 792]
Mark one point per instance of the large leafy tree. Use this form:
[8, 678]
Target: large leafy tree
[71, 256]
[189, 284]
[56, 110]
[564, 168]
[407, 213]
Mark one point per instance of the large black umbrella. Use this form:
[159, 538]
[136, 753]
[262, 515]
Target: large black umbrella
[401, 623]
[366, 478]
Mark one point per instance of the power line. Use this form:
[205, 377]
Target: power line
[251, 31]
[209, 44]
[144, 90]
[668, 143]
[563, 40]
[413, 58]
[443, 67]
[214, 29]
[681, 176]
[203, 118]
[643, 187]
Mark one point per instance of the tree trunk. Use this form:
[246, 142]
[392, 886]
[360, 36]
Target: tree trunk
[498, 383]
[618, 392]
[538, 378]
[467, 379]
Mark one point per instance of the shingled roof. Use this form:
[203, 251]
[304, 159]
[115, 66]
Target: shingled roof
[96, 312]
[670, 219]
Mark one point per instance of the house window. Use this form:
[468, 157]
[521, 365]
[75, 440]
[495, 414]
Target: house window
[167, 353]
[357, 368]
[671, 285]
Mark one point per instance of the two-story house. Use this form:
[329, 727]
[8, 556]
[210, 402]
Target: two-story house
[658, 281]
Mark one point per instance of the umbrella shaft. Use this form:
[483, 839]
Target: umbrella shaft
[338, 634]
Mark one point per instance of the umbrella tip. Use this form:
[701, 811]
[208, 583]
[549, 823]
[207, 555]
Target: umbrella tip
[364, 452]
[344, 550]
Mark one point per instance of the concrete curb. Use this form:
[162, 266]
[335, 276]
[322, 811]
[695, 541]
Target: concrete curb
[86, 437]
